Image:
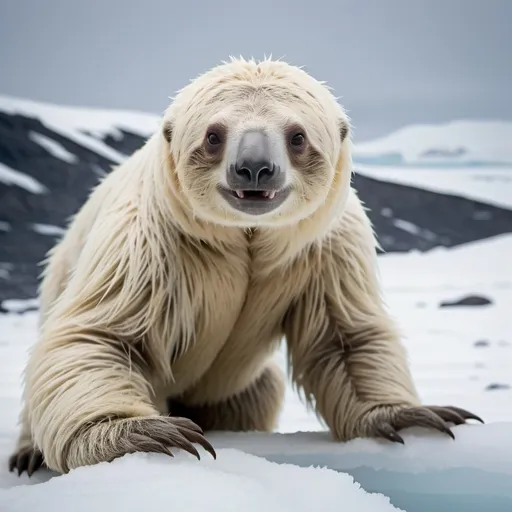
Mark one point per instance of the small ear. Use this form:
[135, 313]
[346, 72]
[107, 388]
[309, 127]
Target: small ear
[167, 130]
[344, 129]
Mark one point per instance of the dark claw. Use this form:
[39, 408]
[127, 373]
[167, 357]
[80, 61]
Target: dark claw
[194, 433]
[147, 444]
[174, 438]
[182, 442]
[387, 431]
[163, 433]
[35, 462]
[26, 459]
[12, 462]
[421, 417]
[186, 423]
[448, 415]
[465, 414]
[22, 461]
[195, 437]
[177, 434]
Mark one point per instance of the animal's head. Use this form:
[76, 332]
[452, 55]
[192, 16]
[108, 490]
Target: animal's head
[257, 144]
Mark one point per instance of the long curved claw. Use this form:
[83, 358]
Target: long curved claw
[387, 431]
[467, 415]
[35, 462]
[421, 417]
[162, 433]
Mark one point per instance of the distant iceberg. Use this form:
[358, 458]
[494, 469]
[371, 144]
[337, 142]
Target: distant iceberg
[458, 143]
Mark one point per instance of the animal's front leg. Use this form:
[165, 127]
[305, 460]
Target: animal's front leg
[88, 394]
[358, 378]
[346, 351]
[91, 403]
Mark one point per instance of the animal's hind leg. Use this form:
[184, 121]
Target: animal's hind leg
[256, 408]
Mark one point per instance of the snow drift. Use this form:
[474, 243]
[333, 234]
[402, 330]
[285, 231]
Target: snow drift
[235, 482]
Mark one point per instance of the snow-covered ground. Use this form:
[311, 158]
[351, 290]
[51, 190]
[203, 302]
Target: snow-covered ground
[459, 355]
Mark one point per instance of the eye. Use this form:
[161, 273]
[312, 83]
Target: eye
[213, 139]
[298, 140]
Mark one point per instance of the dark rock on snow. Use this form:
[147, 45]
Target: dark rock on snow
[481, 343]
[495, 386]
[469, 300]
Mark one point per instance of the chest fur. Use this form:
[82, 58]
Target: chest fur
[208, 307]
[235, 305]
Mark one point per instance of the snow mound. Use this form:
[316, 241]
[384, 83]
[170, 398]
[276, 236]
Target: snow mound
[234, 482]
[85, 126]
[454, 143]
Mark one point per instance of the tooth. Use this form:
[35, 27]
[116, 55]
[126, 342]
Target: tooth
[271, 195]
[265, 193]
[240, 193]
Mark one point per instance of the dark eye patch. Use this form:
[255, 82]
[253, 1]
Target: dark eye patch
[215, 139]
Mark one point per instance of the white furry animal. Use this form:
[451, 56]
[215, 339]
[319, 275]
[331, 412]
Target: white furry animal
[233, 226]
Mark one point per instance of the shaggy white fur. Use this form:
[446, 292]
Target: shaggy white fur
[163, 295]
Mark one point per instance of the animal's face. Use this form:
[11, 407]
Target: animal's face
[255, 144]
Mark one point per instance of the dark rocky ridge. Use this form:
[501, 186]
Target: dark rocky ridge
[404, 217]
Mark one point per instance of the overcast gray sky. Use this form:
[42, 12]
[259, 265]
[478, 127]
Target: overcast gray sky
[393, 62]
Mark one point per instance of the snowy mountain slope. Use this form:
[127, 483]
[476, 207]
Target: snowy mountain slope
[85, 127]
[474, 143]
[491, 185]
[51, 156]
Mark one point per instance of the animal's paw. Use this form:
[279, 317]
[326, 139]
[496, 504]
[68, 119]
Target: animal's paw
[385, 422]
[159, 434]
[27, 459]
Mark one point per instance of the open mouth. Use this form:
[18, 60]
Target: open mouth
[254, 202]
[254, 194]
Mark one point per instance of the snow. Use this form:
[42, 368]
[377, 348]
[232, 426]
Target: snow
[454, 143]
[490, 185]
[459, 355]
[53, 147]
[48, 229]
[235, 481]
[85, 126]
[20, 305]
[11, 177]
[405, 225]
[428, 473]
[467, 267]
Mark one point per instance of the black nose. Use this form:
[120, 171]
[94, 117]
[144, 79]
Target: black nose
[254, 165]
